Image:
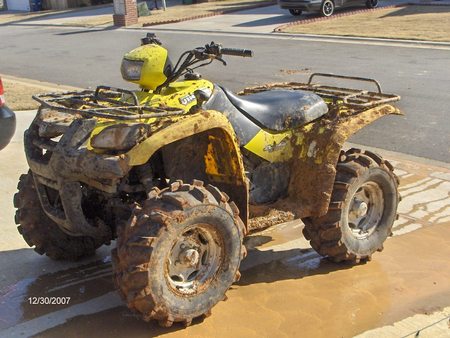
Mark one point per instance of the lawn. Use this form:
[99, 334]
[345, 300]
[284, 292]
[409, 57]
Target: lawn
[18, 92]
[415, 22]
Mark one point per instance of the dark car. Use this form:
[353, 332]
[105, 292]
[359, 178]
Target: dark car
[324, 7]
[7, 121]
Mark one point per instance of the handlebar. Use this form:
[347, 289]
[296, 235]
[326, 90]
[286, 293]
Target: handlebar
[236, 52]
[217, 50]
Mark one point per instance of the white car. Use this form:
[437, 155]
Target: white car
[324, 7]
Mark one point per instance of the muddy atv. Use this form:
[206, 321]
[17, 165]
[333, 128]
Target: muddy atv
[177, 172]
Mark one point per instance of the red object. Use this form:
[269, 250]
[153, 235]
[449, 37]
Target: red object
[2, 100]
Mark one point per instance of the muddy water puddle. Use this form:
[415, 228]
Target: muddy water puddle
[284, 291]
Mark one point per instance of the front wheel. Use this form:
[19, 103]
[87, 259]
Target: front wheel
[362, 210]
[327, 8]
[179, 253]
[295, 12]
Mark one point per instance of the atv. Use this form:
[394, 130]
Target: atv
[173, 171]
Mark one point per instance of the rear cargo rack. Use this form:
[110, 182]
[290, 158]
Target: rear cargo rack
[356, 99]
[105, 102]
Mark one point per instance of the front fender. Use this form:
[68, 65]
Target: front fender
[177, 130]
[199, 146]
[316, 151]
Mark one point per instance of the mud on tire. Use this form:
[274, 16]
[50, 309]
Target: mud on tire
[179, 253]
[362, 210]
[40, 232]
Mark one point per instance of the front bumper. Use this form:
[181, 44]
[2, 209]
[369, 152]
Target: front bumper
[304, 5]
[66, 166]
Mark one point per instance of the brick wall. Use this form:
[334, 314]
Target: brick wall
[130, 17]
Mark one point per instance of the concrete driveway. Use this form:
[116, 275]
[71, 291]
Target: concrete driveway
[259, 20]
[286, 288]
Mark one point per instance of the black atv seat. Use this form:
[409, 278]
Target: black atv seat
[279, 110]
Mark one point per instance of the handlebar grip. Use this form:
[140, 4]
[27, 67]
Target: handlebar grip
[236, 52]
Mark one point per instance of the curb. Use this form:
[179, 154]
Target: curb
[215, 13]
[339, 15]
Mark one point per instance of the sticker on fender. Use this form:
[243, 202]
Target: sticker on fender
[185, 100]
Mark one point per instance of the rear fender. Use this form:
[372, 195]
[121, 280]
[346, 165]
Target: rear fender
[316, 151]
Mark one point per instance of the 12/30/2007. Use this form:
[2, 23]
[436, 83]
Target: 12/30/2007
[48, 300]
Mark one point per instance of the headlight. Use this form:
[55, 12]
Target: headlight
[131, 69]
[120, 136]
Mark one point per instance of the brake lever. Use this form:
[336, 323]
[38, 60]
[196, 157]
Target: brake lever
[221, 60]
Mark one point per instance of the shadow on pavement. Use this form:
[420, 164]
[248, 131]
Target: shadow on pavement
[267, 21]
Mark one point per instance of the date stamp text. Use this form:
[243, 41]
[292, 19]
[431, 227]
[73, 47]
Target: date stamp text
[48, 300]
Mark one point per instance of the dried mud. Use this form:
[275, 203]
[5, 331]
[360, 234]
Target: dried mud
[262, 217]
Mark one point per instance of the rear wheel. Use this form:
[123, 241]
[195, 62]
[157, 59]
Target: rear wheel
[40, 232]
[179, 253]
[327, 8]
[295, 12]
[362, 211]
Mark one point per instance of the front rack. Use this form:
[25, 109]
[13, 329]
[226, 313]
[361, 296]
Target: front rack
[105, 102]
[352, 98]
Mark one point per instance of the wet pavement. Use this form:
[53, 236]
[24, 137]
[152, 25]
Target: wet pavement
[286, 289]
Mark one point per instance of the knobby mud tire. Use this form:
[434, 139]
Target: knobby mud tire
[40, 232]
[329, 235]
[144, 243]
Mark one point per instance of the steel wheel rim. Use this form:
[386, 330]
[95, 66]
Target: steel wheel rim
[366, 210]
[194, 259]
[327, 8]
